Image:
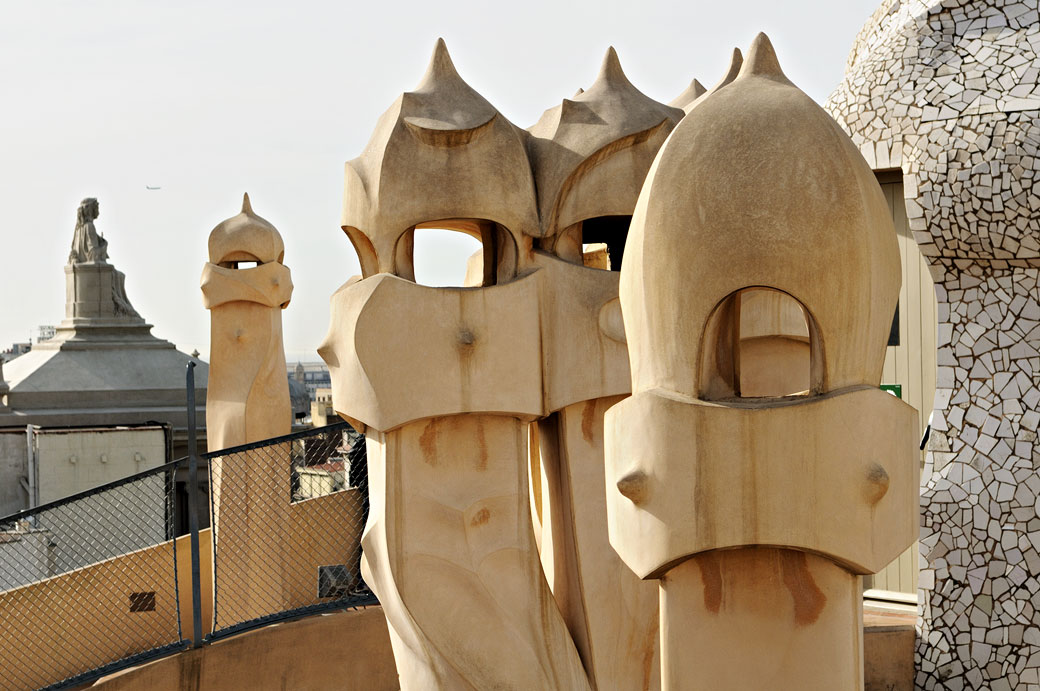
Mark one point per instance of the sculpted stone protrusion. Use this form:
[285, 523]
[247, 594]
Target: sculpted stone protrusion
[580, 148]
[877, 483]
[754, 517]
[694, 91]
[447, 140]
[633, 486]
[447, 448]
[735, 63]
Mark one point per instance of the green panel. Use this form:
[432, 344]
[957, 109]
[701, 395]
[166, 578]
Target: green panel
[894, 389]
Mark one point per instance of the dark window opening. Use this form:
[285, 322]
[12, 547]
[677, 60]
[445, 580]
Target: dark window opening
[893, 334]
[611, 231]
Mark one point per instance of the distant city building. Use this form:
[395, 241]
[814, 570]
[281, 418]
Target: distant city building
[313, 375]
[15, 350]
[321, 408]
[300, 400]
[40, 465]
[44, 332]
[102, 366]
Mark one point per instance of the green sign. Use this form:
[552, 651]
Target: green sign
[894, 389]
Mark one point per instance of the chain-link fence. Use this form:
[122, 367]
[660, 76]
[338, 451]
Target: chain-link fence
[88, 581]
[99, 581]
[287, 520]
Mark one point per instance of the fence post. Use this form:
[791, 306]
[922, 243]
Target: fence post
[193, 512]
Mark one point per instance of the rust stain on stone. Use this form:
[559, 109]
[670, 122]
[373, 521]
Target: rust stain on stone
[480, 517]
[482, 446]
[588, 417]
[808, 598]
[711, 574]
[428, 442]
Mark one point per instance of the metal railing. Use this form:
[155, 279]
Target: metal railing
[99, 581]
[288, 515]
[89, 581]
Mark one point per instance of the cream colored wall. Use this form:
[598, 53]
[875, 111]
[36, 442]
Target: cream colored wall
[58, 476]
[325, 530]
[911, 363]
[205, 584]
[12, 470]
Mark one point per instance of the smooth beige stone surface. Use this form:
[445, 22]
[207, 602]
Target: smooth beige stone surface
[585, 150]
[761, 239]
[292, 654]
[449, 550]
[406, 176]
[824, 236]
[537, 333]
[826, 474]
[471, 340]
[690, 94]
[611, 613]
[736, 60]
[761, 619]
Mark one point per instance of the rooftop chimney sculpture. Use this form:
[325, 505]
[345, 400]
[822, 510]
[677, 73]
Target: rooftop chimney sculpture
[538, 344]
[758, 469]
[245, 286]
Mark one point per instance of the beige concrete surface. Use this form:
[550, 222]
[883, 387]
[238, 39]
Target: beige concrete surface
[889, 638]
[114, 632]
[449, 523]
[611, 614]
[760, 618]
[347, 650]
[248, 396]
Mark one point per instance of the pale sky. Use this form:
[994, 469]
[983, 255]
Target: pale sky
[210, 99]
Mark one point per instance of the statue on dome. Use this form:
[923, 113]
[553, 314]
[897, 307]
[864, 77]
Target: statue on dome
[87, 245]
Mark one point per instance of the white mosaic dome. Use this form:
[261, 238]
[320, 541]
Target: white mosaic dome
[948, 91]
